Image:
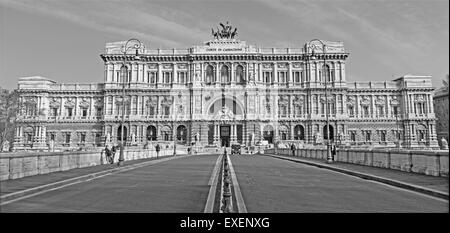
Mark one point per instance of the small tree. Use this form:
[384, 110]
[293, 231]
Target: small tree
[9, 105]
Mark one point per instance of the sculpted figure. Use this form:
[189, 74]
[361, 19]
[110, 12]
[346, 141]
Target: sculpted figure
[444, 144]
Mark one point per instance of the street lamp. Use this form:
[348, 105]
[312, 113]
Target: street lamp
[135, 44]
[313, 57]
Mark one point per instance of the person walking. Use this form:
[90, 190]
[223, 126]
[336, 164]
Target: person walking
[113, 154]
[333, 152]
[293, 149]
[158, 148]
[108, 154]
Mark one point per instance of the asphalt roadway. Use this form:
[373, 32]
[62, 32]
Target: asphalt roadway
[179, 185]
[267, 184]
[274, 185]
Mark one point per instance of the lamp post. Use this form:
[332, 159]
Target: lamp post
[136, 44]
[329, 158]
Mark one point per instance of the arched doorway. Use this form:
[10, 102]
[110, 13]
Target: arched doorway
[325, 135]
[125, 133]
[181, 133]
[151, 133]
[299, 132]
[268, 133]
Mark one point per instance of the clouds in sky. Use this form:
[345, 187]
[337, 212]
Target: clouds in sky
[392, 37]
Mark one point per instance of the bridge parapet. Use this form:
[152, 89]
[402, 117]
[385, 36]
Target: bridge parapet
[433, 163]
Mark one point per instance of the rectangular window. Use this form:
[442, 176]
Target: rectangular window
[29, 138]
[166, 110]
[69, 112]
[82, 138]
[267, 76]
[54, 111]
[84, 112]
[395, 110]
[282, 76]
[296, 77]
[151, 111]
[182, 77]
[52, 137]
[67, 137]
[99, 111]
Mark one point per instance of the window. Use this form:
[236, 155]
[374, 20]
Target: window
[167, 77]
[297, 77]
[29, 137]
[267, 76]
[367, 135]
[224, 74]
[351, 111]
[69, 112]
[209, 74]
[52, 137]
[151, 111]
[366, 111]
[283, 111]
[353, 136]
[282, 76]
[82, 137]
[181, 77]
[383, 136]
[211, 110]
[84, 112]
[395, 110]
[152, 77]
[421, 135]
[99, 111]
[167, 110]
[54, 112]
[67, 138]
[240, 74]
[380, 111]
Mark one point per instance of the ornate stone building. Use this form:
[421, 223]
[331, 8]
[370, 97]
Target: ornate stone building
[440, 100]
[226, 91]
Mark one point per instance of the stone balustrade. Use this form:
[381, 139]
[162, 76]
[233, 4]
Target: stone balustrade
[434, 163]
[20, 164]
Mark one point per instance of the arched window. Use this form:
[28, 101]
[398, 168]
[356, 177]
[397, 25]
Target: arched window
[327, 74]
[225, 78]
[209, 74]
[240, 74]
[299, 132]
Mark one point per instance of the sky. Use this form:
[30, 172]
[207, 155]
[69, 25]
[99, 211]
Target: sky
[63, 39]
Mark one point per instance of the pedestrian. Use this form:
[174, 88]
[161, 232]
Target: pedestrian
[333, 152]
[189, 150]
[108, 154]
[158, 148]
[113, 154]
[293, 149]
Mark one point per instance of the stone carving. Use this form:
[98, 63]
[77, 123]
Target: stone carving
[444, 144]
[51, 146]
[133, 138]
[84, 103]
[167, 101]
[197, 137]
[380, 101]
[108, 138]
[317, 138]
[394, 100]
[225, 114]
[5, 146]
[225, 33]
[419, 98]
[299, 100]
[252, 139]
[351, 100]
[365, 100]
[70, 102]
[55, 103]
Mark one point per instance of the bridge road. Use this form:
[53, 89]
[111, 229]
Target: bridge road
[274, 185]
[178, 185]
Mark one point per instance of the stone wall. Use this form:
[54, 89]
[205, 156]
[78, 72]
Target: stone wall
[434, 163]
[21, 164]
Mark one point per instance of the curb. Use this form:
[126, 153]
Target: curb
[49, 187]
[408, 186]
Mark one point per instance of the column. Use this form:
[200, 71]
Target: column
[233, 76]
[217, 78]
[260, 76]
[275, 72]
[175, 75]
[160, 78]
[134, 72]
[373, 113]
[289, 75]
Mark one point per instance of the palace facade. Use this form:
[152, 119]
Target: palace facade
[223, 92]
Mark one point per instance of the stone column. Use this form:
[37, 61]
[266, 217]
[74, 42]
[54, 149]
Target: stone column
[175, 70]
[160, 78]
[289, 75]
[275, 73]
